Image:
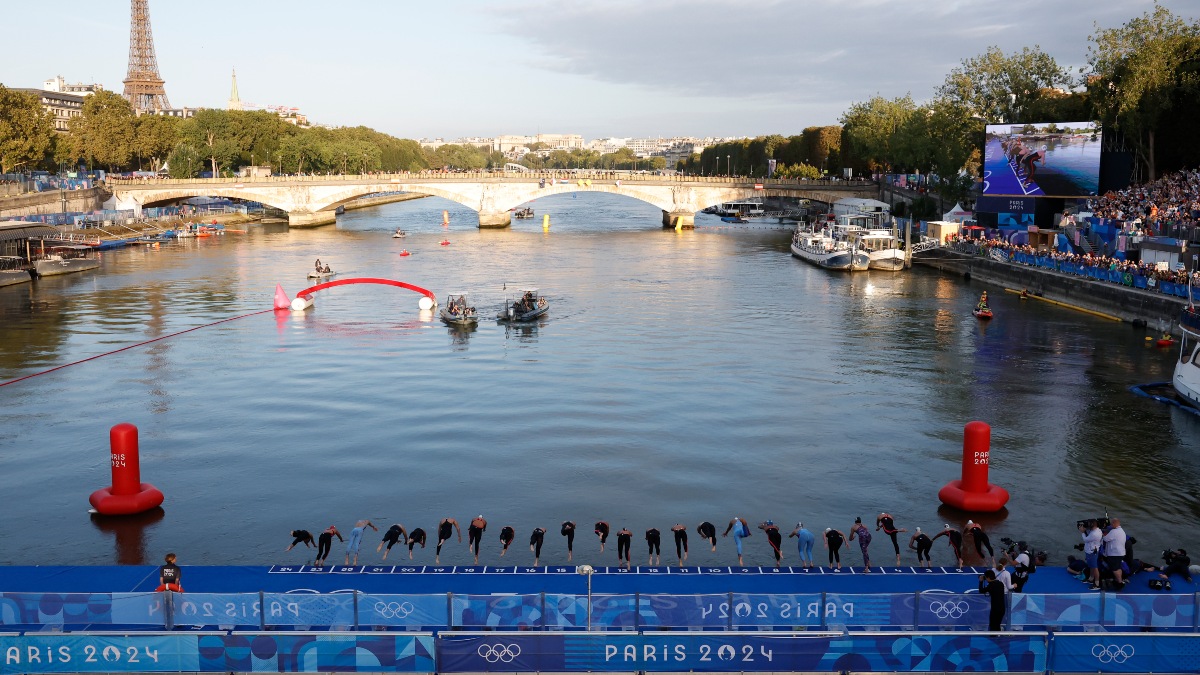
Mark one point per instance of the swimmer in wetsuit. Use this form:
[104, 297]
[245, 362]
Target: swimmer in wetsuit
[447, 527]
[741, 530]
[833, 542]
[864, 540]
[507, 534]
[773, 538]
[923, 544]
[681, 551]
[889, 528]
[415, 537]
[602, 532]
[535, 544]
[624, 538]
[955, 538]
[391, 538]
[654, 542]
[568, 530]
[324, 543]
[475, 535]
[354, 542]
[301, 537]
[708, 531]
[804, 544]
[981, 541]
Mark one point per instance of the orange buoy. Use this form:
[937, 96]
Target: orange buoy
[445, 242]
[405, 252]
[973, 492]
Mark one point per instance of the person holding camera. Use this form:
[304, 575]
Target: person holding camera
[1177, 562]
[1092, 538]
[1114, 551]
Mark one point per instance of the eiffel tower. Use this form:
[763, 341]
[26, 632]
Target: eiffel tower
[143, 85]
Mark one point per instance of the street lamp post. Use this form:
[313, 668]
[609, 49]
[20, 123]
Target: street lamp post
[587, 571]
[728, 167]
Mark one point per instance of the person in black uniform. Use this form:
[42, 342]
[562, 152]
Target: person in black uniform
[988, 583]
[833, 541]
[535, 544]
[708, 531]
[301, 537]
[923, 544]
[981, 541]
[507, 534]
[624, 538]
[654, 543]
[447, 527]
[391, 538]
[889, 528]
[602, 532]
[324, 543]
[415, 537]
[955, 538]
[475, 535]
[774, 538]
[681, 551]
[568, 530]
[169, 575]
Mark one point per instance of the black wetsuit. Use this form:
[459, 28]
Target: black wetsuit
[535, 541]
[924, 546]
[445, 531]
[834, 539]
[981, 541]
[474, 537]
[602, 531]
[415, 537]
[955, 538]
[624, 537]
[392, 536]
[680, 540]
[776, 540]
[568, 531]
[889, 528]
[507, 534]
[654, 541]
[324, 544]
[302, 537]
[708, 531]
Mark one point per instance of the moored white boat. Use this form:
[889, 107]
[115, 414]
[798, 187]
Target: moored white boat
[321, 274]
[1186, 379]
[883, 249]
[65, 259]
[13, 270]
[458, 310]
[820, 248]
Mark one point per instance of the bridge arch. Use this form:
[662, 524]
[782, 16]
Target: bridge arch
[177, 195]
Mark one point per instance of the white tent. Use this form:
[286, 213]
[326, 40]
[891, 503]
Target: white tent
[957, 214]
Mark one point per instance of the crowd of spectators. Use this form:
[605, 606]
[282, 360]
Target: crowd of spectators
[1165, 207]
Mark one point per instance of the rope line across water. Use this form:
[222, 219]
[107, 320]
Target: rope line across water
[139, 344]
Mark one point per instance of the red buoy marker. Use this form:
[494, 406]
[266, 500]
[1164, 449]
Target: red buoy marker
[973, 492]
[128, 494]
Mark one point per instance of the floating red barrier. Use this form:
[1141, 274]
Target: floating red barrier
[973, 492]
[127, 494]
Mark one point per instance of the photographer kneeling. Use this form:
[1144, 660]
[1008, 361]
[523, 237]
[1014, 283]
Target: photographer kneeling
[1178, 562]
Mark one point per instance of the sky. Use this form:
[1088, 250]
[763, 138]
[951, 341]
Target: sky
[607, 68]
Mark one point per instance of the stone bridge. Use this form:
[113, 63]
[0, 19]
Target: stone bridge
[312, 200]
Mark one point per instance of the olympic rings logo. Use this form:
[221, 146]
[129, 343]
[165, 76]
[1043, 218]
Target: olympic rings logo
[951, 609]
[499, 652]
[394, 610]
[1112, 653]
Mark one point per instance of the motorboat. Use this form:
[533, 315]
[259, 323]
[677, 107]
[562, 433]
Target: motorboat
[734, 219]
[13, 270]
[65, 259]
[881, 245]
[524, 213]
[526, 304]
[982, 313]
[1186, 380]
[820, 248]
[459, 311]
[745, 209]
[323, 273]
[399, 234]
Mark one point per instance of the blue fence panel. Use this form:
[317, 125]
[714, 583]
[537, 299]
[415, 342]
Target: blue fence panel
[301, 653]
[1125, 653]
[496, 611]
[1139, 281]
[407, 611]
[694, 611]
[1161, 610]
[953, 609]
[870, 609]
[565, 611]
[140, 609]
[55, 609]
[45, 653]
[806, 609]
[614, 612]
[308, 609]
[938, 652]
[218, 609]
[1066, 610]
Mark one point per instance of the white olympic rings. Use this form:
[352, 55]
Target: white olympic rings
[394, 610]
[951, 609]
[1112, 653]
[499, 652]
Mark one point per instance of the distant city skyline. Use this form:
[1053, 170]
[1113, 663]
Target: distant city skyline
[706, 68]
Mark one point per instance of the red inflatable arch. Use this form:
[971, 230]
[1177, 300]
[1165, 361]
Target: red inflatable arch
[365, 280]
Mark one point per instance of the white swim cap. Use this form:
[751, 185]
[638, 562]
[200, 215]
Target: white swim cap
[970, 522]
[828, 529]
[799, 524]
[946, 526]
[918, 529]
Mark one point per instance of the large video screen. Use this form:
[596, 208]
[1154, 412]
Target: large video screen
[1042, 160]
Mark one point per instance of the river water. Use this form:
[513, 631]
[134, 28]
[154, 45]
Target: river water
[678, 377]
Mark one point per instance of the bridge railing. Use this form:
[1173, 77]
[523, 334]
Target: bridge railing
[558, 177]
[599, 612]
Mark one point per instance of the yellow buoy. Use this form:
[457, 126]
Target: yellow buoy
[545, 221]
[445, 217]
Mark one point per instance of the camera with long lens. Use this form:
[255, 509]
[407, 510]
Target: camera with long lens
[1169, 556]
[1101, 522]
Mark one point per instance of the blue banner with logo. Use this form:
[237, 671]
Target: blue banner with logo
[408, 611]
[308, 609]
[1162, 610]
[35, 653]
[496, 611]
[216, 609]
[565, 611]
[1125, 653]
[779, 610]
[1066, 610]
[953, 609]
[307, 653]
[694, 611]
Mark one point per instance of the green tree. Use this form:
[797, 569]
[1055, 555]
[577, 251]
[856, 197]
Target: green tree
[871, 128]
[155, 136]
[999, 87]
[26, 130]
[302, 152]
[104, 132]
[1139, 72]
[184, 161]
